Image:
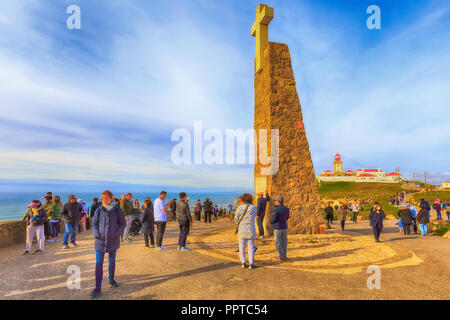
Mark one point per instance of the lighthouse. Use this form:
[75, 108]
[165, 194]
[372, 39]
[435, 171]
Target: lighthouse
[337, 165]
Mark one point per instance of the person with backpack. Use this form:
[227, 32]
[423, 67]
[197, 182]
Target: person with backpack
[107, 226]
[35, 218]
[184, 221]
[246, 230]
[376, 217]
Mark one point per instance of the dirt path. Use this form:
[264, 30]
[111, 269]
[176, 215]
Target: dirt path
[148, 274]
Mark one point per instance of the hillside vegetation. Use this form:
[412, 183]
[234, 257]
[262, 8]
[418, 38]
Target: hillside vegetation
[354, 190]
[350, 191]
[430, 196]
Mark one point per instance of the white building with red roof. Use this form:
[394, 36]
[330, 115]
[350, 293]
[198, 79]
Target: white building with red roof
[360, 175]
[445, 185]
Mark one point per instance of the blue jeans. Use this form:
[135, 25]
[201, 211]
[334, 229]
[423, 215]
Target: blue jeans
[281, 242]
[54, 229]
[423, 229]
[72, 230]
[439, 215]
[100, 257]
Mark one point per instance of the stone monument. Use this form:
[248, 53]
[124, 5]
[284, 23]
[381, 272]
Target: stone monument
[277, 106]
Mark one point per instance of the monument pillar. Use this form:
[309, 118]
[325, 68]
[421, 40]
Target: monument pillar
[277, 106]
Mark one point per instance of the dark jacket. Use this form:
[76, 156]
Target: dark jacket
[107, 226]
[183, 211]
[148, 220]
[261, 205]
[406, 215]
[173, 207]
[72, 212]
[207, 206]
[279, 217]
[427, 205]
[127, 207]
[94, 207]
[329, 211]
[198, 207]
[422, 217]
[376, 218]
[39, 220]
[342, 213]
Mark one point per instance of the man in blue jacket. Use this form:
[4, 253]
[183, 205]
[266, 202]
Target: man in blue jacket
[108, 225]
[279, 225]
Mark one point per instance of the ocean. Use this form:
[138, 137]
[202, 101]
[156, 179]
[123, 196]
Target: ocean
[14, 205]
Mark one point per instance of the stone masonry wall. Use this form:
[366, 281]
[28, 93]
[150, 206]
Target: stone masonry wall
[12, 232]
[277, 106]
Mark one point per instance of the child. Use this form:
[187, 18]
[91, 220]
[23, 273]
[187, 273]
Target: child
[400, 225]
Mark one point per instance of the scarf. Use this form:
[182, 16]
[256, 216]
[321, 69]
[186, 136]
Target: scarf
[110, 206]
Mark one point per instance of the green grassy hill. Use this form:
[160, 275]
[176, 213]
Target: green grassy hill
[355, 190]
[430, 196]
[349, 191]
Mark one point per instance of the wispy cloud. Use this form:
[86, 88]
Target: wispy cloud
[100, 103]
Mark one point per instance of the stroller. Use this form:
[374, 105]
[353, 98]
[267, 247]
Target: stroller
[135, 228]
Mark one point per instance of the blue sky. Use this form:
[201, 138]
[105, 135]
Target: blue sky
[100, 103]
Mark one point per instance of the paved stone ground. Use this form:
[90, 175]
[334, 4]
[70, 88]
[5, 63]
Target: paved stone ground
[149, 274]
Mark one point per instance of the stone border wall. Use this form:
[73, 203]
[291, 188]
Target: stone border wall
[12, 232]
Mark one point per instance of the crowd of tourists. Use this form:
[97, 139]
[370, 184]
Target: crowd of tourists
[410, 217]
[398, 198]
[114, 220]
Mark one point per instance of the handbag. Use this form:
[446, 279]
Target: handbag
[236, 229]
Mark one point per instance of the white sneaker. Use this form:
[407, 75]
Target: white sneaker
[163, 248]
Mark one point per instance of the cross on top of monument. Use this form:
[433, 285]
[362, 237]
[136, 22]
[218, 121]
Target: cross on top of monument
[260, 30]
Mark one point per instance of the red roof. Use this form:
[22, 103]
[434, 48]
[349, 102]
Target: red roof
[349, 171]
[371, 170]
[366, 175]
[394, 174]
[328, 171]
